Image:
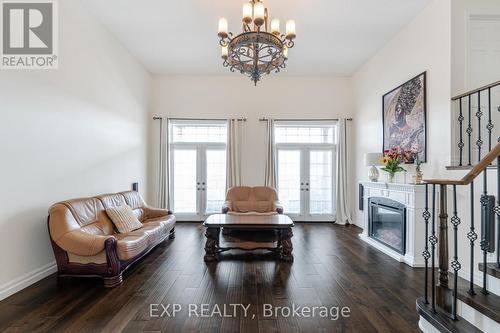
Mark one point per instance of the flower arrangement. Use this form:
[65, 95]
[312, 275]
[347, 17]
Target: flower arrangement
[415, 153]
[392, 160]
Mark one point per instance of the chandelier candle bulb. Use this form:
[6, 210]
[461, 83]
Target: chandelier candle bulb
[275, 27]
[247, 13]
[259, 14]
[224, 52]
[290, 29]
[223, 30]
[285, 52]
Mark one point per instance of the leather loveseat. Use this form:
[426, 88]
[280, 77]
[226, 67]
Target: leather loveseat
[252, 200]
[86, 242]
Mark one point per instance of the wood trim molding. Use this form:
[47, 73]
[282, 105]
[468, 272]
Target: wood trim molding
[476, 170]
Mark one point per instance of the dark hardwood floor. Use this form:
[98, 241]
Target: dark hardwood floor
[332, 268]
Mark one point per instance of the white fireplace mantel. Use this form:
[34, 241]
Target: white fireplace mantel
[413, 197]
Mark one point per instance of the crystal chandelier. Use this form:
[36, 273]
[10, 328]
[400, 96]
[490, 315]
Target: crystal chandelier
[256, 51]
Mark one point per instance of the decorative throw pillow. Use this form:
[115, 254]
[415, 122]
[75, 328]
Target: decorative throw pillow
[123, 218]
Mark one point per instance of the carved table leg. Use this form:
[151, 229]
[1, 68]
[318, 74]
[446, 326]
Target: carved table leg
[286, 242]
[212, 244]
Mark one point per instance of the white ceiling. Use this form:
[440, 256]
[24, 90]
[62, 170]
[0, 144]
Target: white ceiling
[334, 37]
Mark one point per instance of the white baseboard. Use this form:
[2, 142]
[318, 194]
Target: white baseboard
[426, 327]
[26, 280]
[477, 319]
[493, 284]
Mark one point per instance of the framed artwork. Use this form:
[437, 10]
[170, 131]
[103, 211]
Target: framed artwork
[404, 117]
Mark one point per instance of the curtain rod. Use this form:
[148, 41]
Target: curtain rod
[297, 119]
[174, 118]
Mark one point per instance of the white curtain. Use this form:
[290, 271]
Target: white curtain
[342, 200]
[163, 164]
[233, 166]
[270, 177]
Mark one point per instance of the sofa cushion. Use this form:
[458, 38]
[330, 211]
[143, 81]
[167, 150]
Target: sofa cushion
[112, 200]
[84, 210]
[123, 218]
[168, 222]
[155, 232]
[252, 206]
[239, 193]
[132, 244]
[263, 193]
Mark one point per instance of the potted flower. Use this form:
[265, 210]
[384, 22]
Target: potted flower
[391, 161]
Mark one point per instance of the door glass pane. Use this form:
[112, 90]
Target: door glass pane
[184, 180]
[216, 180]
[289, 180]
[320, 182]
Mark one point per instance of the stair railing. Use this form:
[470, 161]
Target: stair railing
[441, 294]
[472, 123]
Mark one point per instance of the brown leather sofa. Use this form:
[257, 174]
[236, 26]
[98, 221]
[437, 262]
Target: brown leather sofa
[86, 243]
[251, 200]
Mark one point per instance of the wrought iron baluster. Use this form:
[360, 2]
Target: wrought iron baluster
[479, 114]
[426, 215]
[472, 236]
[484, 244]
[469, 130]
[455, 264]
[461, 142]
[490, 125]
[433, 240]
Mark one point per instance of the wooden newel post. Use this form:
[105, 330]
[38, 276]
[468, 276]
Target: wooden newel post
[443, 293]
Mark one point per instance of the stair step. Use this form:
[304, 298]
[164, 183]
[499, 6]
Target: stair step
[442, 321]
[467, 167]
[488, 305]
[491, 269]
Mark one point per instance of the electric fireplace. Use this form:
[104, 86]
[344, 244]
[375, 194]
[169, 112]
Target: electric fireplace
[387, 223]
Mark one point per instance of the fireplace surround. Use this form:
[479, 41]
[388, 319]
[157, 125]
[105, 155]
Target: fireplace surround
[407, 200]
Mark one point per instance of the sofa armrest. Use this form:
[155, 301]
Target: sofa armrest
[279, 207]
[152, 213]
[82, 243]
[226, 207]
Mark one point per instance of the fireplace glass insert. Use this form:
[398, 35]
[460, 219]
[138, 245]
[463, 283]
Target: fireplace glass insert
[387, 223]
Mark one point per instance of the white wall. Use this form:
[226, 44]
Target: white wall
[423, 45]
[235, 96]
[461, 10]
[77, 131]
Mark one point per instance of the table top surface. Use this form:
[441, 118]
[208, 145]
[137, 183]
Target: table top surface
[257, 221]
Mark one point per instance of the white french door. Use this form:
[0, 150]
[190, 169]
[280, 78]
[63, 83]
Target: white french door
[305, 170]
[197, 169]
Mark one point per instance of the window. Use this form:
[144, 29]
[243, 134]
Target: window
[288, 132]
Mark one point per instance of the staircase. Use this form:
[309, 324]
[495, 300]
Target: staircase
[465, 234]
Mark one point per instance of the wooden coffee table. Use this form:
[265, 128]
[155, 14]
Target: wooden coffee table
[282, 224]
